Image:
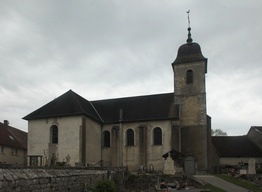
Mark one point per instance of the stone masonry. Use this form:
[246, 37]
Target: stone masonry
[45, 180]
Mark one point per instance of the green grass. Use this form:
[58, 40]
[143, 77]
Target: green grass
[213, 188]
[240, 183]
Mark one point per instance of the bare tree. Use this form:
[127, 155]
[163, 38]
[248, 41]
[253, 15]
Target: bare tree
[218, 132]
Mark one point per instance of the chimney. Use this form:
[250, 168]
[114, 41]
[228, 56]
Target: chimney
[6, 122]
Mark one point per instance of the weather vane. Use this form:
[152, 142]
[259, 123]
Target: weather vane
[188, 18]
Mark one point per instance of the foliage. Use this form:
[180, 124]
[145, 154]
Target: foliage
[213, 188]
[105, 186]
[259, 171]
[244, 184]
[165, 175]
[218, 132]
[131, 177]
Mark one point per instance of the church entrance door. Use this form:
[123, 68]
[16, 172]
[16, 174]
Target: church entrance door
[190, 165]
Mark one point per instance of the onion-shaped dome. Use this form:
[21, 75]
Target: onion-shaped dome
[189, 52]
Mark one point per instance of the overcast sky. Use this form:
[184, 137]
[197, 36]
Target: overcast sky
[108, 49]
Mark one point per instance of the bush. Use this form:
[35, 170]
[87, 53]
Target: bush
[131, 177]
[259, 171]
[105, 186]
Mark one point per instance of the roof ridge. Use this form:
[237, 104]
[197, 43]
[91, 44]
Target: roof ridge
[128, 97]
[96, 111]
[74, 95]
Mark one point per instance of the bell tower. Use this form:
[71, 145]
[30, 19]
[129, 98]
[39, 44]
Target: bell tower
[190, 67]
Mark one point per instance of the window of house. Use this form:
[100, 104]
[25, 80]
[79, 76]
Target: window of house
[106, 138]
[54, 134]
[2, 149]
[130, 137]
[189, 76]
[157, 132]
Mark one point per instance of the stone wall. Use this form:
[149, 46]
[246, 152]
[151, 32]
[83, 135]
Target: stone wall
[256, 179]
[45, 180]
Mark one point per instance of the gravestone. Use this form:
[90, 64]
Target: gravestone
[251, 166]
[169, 167]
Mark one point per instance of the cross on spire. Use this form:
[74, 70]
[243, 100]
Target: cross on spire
[188, 18]
[189, 39]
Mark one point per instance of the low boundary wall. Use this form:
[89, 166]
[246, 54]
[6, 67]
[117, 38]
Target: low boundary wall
[45, 180]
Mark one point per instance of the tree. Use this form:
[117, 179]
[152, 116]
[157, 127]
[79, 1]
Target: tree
[218, 132]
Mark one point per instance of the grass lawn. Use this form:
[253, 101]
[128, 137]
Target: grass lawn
[213, 188]
[240, 183]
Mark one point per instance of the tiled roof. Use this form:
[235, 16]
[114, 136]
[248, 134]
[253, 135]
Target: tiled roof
[235, 146]
[134, 108]
[7, 138]
[21, 136]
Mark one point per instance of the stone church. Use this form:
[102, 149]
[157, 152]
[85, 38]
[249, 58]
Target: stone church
[132, 131]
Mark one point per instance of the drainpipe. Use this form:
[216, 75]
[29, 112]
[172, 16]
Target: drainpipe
[120, 138]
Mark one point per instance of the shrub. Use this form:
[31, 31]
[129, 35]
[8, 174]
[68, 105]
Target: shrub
[105, 186]
[259, 171]
[131, 177]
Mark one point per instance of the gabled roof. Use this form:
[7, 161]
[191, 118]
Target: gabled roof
[20, 136]
[256, 128]
[8, 139]
[67, 104]
[149, 107]
[235, 146]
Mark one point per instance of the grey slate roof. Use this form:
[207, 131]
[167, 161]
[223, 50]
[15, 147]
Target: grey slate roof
[67, 104]
[235, 146]
[257, 128]
[139, 108]
[149, 107]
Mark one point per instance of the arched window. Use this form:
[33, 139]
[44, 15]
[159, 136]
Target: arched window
[106, 139]
[157, 136]
[54, 134]
[189, 76]
[130, 137]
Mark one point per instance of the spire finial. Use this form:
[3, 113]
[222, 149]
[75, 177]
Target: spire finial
[189, 39]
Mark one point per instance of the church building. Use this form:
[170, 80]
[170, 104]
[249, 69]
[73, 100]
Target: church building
[132, 131]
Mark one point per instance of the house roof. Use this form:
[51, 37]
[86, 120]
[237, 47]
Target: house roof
[67, 104]
[21, 136]
[138, 108]
[7, 138]
[235, 146]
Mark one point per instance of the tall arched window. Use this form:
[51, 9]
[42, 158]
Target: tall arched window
[106, 139]
[157, 136]
[189, 76]
[54, 134]
[130, 137]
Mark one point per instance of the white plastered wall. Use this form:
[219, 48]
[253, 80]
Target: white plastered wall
[68, 137]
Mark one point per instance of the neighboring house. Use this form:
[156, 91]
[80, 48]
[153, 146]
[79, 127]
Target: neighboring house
[13, 144]
[235, 149]
[255, 135]
[132, 131]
